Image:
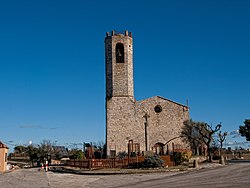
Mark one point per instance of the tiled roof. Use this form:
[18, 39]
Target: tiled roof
[2, 145]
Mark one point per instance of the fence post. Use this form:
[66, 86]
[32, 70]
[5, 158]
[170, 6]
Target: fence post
[173, 154]
[91, 150]
[137, 161]
[90, 164]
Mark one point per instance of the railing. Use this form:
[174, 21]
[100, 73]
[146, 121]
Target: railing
[115, 163]
[237, 155]
[18, 156]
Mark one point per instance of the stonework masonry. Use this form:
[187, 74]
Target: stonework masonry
[3, 157]
[154, 123]
[119, 76]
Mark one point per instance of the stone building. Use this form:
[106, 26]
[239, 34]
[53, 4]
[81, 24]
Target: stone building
[3, 157]
[153, 124]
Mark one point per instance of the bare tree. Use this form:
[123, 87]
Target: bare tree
[221, 139]
[99, 148]
[199, 133]
[191, 135]
[207, 132]
[48, 148]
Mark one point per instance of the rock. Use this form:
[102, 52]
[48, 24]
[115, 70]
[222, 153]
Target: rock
[195, 163]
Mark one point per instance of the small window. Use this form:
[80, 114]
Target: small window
[119, 50]
[158, 109]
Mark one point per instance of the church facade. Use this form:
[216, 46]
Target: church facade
[153, 124]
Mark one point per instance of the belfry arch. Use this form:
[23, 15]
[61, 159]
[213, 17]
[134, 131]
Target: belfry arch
[119, 51]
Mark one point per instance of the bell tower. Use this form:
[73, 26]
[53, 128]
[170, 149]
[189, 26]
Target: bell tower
[119, 65]
[120, 103]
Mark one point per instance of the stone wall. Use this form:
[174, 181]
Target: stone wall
[3, 157]
[120, 120]
[162, 126]
[126, 121]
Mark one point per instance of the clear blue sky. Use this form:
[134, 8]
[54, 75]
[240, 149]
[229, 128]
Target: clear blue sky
[52, 75]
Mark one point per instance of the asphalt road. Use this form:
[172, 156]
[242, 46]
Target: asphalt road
[234, 175]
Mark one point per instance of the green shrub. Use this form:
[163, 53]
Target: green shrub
[152, 162]
[122, 155]
[181, 157]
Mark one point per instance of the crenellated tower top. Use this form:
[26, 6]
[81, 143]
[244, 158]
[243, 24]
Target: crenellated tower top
[117, 33]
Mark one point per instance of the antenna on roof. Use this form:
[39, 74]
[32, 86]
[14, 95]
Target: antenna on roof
[187, 102]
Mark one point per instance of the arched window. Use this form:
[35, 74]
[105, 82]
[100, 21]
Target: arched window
[119, 50]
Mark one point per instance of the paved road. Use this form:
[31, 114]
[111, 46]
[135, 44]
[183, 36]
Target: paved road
[32, 178]
[235, 175]
[23, 178]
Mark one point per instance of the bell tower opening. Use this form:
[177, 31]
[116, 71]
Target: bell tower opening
[119, 49]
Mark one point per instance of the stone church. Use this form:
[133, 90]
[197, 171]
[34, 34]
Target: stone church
[136, 127]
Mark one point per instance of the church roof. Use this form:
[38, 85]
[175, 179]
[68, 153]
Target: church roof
[2, 145]
[166, 100]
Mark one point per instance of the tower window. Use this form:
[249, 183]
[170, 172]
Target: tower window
[119, 50]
